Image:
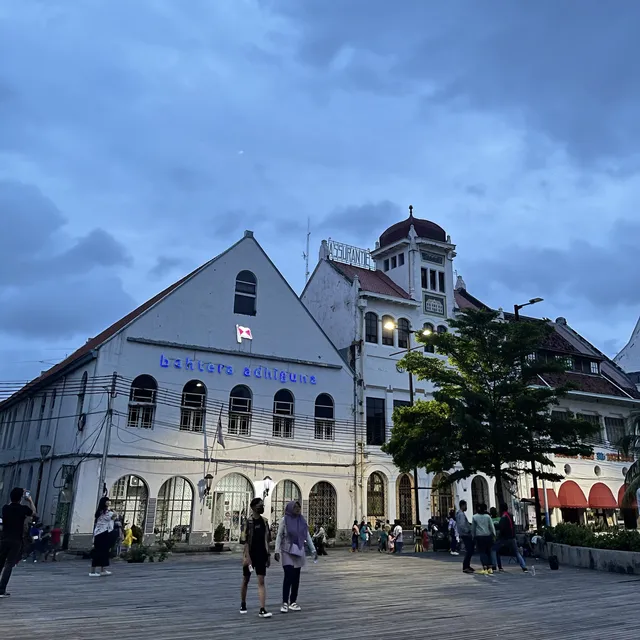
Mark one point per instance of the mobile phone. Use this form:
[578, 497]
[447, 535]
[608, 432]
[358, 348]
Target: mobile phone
[27, 494]
[250, 568]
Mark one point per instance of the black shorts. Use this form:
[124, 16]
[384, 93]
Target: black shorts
[260, 569]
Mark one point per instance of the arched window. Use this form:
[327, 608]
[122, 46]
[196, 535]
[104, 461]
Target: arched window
[376, 498]
[173, 510]
[388, 330]
[324, 417]
[194, 403]
[245, 298]
[28, 416]
[43, 408]
[403, 333]
[232, 497]
[129, 497]
[142, 402]
[479, 492]
[81, 394]
[323, 505]
[442, 498]
[240, 411]
[285, 492]
[405, 501]
[427, 326]
[52, 406]
[442, 328]
[30, 480]
[371, 327]
[283, 414]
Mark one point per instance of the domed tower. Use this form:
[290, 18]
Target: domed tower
[418, 255]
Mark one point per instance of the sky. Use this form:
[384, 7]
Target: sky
[140, 139]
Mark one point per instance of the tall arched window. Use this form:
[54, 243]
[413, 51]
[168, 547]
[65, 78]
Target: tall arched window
[283, 414]
[52, 406]
[403, 333]
[442, 498]
[142, 402]
[240, 411]
[194, 403]
[323, 505]
[173, 510]
[324, 417]
[371, 327]
[28, 416]
[129, 497]
[30, 478]
[388, 330]
[81, 394]
[376, 498]
[405, 501]
[479, 492]
[245, 298]
[286, 491]
[427, 326]
[231, 499]
[43, 408]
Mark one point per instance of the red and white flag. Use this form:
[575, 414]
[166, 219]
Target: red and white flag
[243, 332]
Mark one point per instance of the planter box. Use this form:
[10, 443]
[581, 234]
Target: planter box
[627, 562]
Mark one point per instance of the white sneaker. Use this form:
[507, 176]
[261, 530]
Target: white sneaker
[106, 573]
[294, 607]
[284, 608]
[93, 574]
[454, 553]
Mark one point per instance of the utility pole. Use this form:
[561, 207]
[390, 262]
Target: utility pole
[107, 436]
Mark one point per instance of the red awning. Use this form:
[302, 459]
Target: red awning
[571, 496]
[600, 497]
[621, 492]
[552, 498]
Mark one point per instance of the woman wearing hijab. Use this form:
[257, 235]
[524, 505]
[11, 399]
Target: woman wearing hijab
[103, 538]
[293, 532]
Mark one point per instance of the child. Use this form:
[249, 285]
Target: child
[383, 541]
[128, 537]
[56, 542]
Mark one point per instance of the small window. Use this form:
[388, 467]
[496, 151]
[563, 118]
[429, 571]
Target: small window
[595, 368]
[425, 277]
[376, 422]
[429, 348]
[142, 402]
[403, 333]
[401, 259]
[245, 297]
[387, 331]
[43, 407]
[371, 327]
[441, 282]
[51, 410]
[615, 429]
[394, 262]
[442, 328]
[283, 414]
[194, 402]
[240, 411]
[324, 417]
[386, 264]
[595, 420]
[433, 278]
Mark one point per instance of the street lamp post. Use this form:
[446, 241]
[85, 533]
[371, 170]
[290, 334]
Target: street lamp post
[44, 452]
[534, 470]
[425, 332]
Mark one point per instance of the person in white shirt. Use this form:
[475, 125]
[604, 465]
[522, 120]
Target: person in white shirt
[398, 537]
[103, 539]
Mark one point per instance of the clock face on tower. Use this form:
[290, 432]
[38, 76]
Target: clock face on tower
[399, 369]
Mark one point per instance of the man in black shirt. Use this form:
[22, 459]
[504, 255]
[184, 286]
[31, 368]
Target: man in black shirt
[256, 557]
[13, 517]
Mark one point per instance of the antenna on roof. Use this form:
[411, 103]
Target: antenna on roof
[305, 255]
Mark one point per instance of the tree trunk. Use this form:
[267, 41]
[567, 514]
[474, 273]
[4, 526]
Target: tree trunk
[499, 489]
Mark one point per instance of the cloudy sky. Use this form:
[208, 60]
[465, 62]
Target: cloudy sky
[139, 139]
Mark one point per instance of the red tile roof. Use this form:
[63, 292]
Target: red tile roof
[373, 281]
[464, 300]
[587, 383]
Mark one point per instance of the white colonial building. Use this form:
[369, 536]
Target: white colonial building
[218, 389]
[371, 303]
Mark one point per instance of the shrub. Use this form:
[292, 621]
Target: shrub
[330, 529]
[139, 553]
[218, 534]
[580, 536]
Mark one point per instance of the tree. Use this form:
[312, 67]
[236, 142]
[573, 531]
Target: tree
[630, 444]
[490, 410]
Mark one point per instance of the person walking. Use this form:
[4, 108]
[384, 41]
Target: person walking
[355, 535]
[483, 532]
[383, 540]
[398, 538]
[507, 539]
[320, 540]
[255, 539]
[365, 535]
[293, 533]
[102, 539]
[453, 534]
[14, 516]
[56, 543]
[463, 527]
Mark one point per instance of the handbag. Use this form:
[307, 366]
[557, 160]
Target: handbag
[295, 550]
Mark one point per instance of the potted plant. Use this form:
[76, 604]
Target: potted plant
[218, 538]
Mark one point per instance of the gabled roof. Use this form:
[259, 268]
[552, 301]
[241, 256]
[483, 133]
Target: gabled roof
[464, 300]
[373, 281]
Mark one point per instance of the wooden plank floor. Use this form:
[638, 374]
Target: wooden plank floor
[343, 596]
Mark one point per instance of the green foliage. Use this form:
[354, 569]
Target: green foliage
[580, 536]
[167, 546]
[218, 534]
[489, 410]
[139, 553]
[330, 530]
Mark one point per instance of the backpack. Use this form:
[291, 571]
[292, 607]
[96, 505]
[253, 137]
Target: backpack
[554, 565]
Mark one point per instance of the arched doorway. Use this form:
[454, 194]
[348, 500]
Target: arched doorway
[376, 498]
[231, 500]
[174, 509]
[405, 501]
[323, 506]
[285, 492]
[442, 498]
[129, 497]
[479, 492]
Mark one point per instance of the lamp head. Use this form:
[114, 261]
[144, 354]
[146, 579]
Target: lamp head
[535, 300]
[389, 325]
